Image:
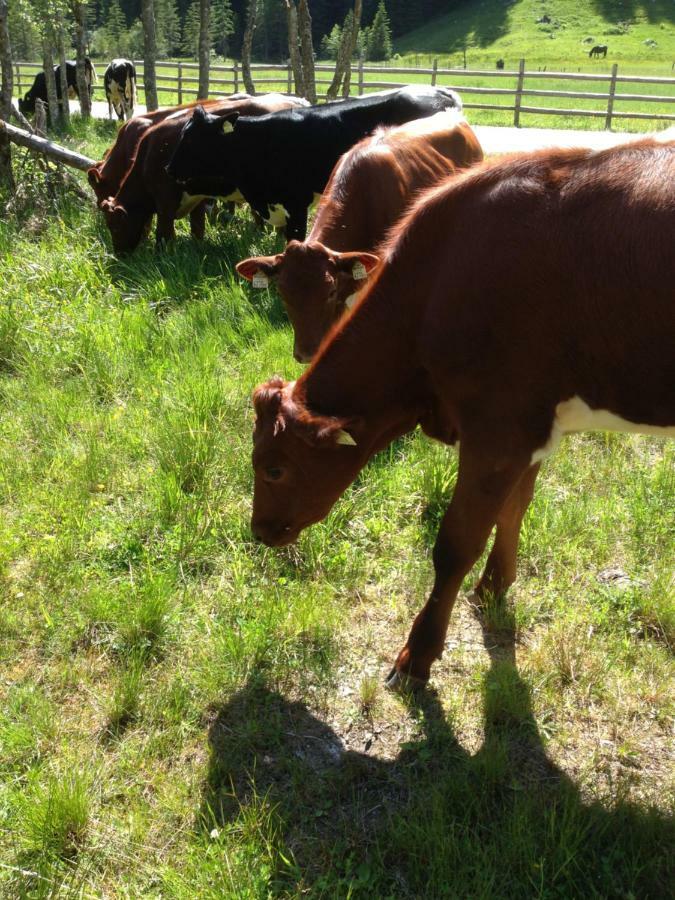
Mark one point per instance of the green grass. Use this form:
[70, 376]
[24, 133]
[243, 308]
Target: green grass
[186, 713]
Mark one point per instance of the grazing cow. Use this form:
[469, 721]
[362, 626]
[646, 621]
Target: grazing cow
[147, 189]
[39, 89]
[280, 163]
[505, 315]
[106, 176]
[368, 191]
[119, 82]
[598, 50]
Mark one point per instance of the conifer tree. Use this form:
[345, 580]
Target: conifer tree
[379, 38]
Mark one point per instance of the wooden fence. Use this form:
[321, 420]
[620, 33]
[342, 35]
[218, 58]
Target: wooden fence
[226, 79]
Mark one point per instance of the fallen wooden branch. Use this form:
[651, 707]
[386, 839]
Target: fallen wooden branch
[45, 147]
[22, 120]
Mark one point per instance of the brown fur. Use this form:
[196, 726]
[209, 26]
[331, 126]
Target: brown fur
[368, 191]
[504, 292]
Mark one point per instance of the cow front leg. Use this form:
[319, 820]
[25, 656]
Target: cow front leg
[483, 486]
[198, 220]
[500, 568]
[296, 224]
[166, 230]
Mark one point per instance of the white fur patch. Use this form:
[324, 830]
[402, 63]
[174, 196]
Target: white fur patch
[278, 215]
[188, 203]
[576, 415]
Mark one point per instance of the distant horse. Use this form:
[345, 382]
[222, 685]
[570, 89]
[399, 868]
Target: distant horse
[598, 50]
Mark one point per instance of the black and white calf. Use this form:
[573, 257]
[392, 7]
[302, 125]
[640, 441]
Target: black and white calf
[119, 82]
[38, 90]
[281, 161]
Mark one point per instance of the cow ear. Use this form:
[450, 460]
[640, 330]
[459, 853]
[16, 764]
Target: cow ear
[199, 115]
[227, 123]
[357, 263]
[337, 432]
[268, 266]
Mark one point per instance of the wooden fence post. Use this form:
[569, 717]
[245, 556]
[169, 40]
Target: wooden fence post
[519, 93]
[433, 74]
[18, 79]
[180, 83]
[360, 75]
[289, 78]
[610, 99]
[235, 69]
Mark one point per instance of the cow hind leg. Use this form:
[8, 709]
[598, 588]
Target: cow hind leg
[166, 230]
[500, 569]
[483, 487]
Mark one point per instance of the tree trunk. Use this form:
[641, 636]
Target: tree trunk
[358, 8]
[6, 89]
[246, 46]
[307, 50]
[293, 51]
[79, 12]
[50, 78]
[61, 46]
[150, 54]
[343, 63]
[204, 47]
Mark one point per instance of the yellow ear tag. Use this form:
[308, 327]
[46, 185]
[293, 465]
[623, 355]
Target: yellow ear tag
[359, 271]
[260, 280]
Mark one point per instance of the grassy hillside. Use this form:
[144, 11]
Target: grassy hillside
[185, 713]
[491, 29]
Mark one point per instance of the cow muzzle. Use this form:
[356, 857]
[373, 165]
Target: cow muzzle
[273, 534]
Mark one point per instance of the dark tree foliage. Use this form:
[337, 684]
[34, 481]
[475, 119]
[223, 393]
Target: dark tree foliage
[270, 41]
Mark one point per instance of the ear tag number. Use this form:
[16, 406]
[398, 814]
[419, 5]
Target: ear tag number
[260, 280]
[359, 271]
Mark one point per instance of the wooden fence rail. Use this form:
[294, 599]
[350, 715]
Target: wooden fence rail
[182, 82]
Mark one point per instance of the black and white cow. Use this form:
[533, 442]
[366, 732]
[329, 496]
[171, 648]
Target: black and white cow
[39, 89]
[119, 82]
[280, 162]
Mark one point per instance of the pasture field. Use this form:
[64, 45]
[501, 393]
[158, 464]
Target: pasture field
[185, 713]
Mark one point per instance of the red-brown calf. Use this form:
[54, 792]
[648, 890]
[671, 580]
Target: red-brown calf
[147, 189]
[369, 189]
[106, 176]
[517, 303]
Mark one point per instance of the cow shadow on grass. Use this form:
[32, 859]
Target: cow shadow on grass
[187, 270]
[436, 820]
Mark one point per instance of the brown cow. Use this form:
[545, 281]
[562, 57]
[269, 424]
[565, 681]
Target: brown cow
[369, 189]
[106, 176]
[515, 304]
[147, 189]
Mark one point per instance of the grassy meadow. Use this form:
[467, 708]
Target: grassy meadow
[640, 35]
[185, 713]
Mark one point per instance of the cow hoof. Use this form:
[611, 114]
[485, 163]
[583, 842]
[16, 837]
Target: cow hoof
[404, 684]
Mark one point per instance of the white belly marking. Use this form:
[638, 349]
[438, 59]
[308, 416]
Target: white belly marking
[576, 415]
[278, 215]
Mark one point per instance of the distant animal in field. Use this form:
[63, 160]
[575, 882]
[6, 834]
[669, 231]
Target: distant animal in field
[281, 162]
[598, 50]
[490, 325]
[119, 82]
[38, 91]
[500, 64]
[368, 191]
[146, 188]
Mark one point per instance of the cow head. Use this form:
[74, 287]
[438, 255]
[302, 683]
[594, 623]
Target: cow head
[98, 184]
[316, 284]
[202, 151]
[302, 463]
[127, 227]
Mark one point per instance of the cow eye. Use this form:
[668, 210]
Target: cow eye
[273, 473]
